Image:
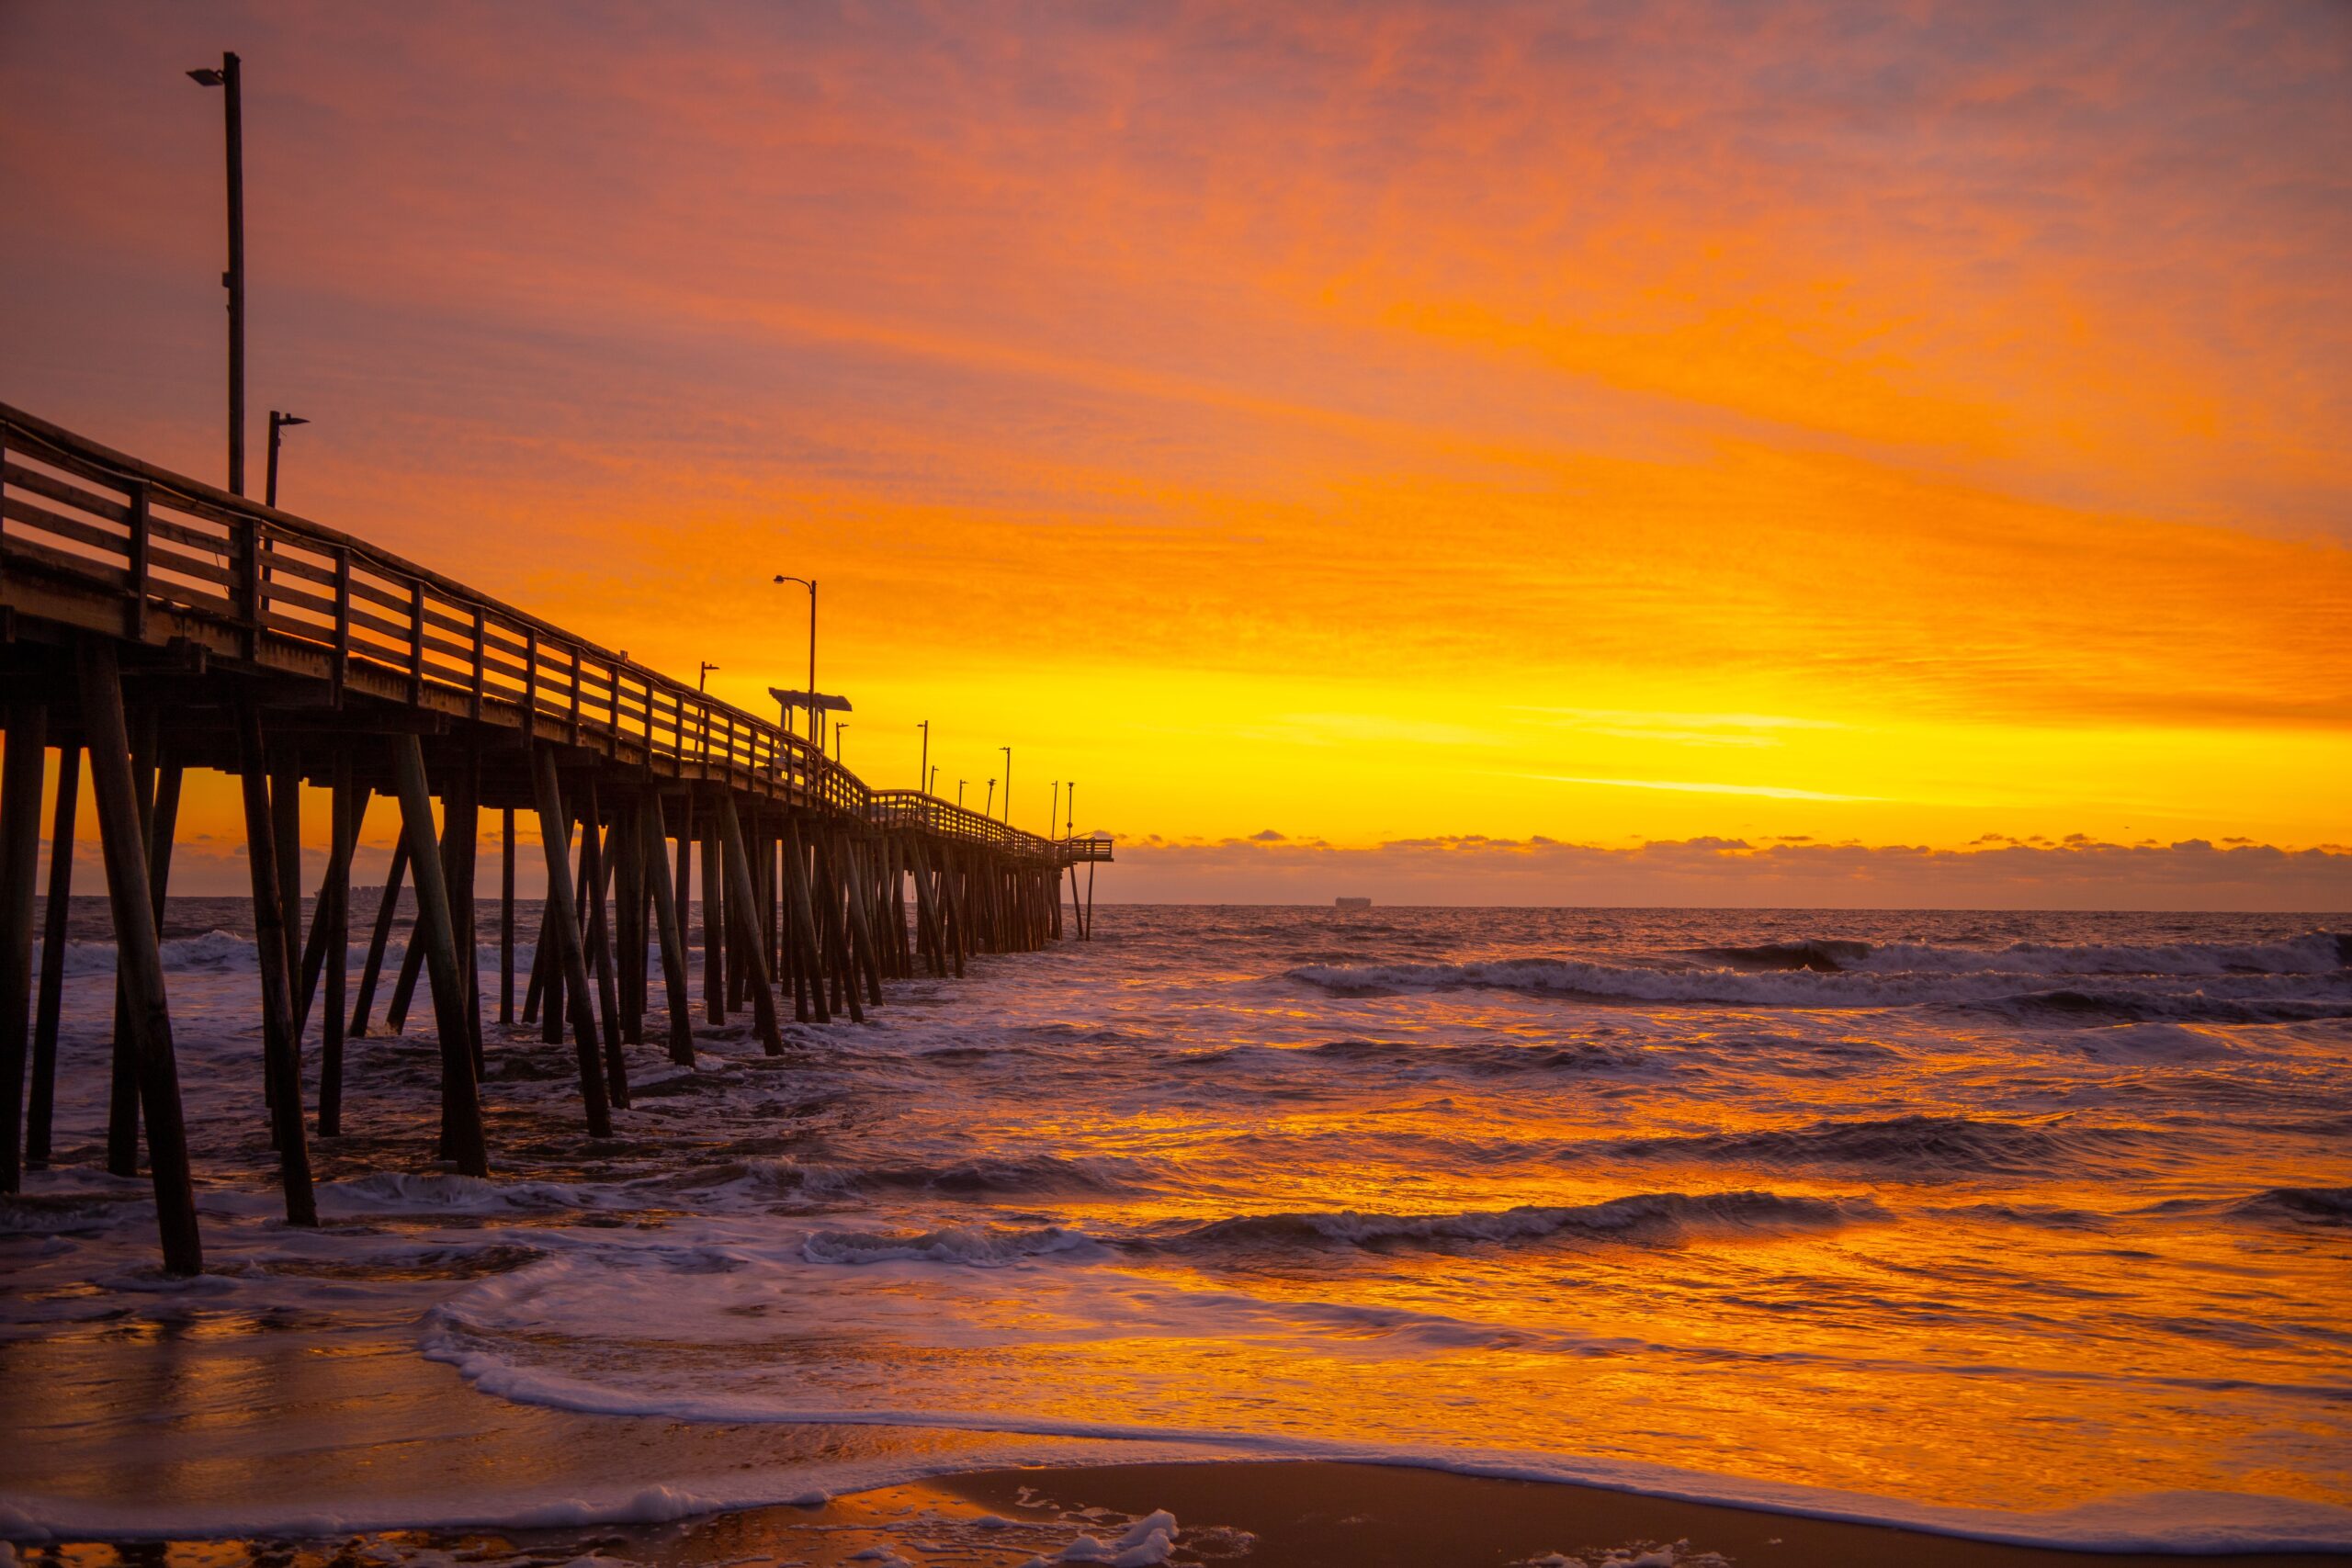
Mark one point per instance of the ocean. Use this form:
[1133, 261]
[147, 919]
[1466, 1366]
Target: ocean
[2033, 1226]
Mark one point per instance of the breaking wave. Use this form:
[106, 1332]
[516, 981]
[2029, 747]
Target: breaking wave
[2318, 953]
[979, 1246]
[2216, 996]
[2305, 1205]
[1649, 1216]
[1921, 1146]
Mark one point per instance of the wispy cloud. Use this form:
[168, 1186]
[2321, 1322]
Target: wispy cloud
[2081, 874]
[1687, 786]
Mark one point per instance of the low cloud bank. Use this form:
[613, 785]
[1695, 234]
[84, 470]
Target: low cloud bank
[2074, 874]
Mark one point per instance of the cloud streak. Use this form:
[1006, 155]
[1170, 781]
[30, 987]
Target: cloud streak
[1730, 872]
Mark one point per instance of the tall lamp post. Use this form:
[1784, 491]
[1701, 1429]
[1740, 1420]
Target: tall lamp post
[278, 422]
[1053, 817]
[234, 114]
[810, 584]
[990, 809]
[960, 793]
[922, 769]
[934, 787]
[839, 730]
[1008, 782]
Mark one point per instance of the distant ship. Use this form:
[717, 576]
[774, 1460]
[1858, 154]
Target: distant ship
[1352, 903]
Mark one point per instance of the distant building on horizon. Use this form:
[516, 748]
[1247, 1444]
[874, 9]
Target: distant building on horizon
[1352, 903]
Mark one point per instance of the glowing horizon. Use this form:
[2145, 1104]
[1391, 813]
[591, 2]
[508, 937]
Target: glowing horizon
[1369, 426]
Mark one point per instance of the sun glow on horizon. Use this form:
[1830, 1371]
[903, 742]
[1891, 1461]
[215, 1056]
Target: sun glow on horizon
[1362, 423]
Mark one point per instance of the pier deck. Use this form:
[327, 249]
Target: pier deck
[153, 623]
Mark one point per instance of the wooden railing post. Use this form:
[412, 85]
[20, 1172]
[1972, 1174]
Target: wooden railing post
[572, 652]
[482, 670]
[530, 685]
[248, 537]
[342, 620]
[135, 619]
[416, 642]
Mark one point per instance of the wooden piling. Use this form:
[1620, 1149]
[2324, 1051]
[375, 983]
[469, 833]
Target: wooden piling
[744, 907]
[804, 920]
[714, 920]
[388, 906]
[507, 915]
[274, 949]
[674, 945]
[139, 955]
[859, 891]
[347, 812]
[285, 795]
[595, 871]
[39, 1107]
[342, 825]
[626, 847]
[461, 1129]
[123, 1097]
[412, 969]
[563, 928]
[460, 844]
[20, 787]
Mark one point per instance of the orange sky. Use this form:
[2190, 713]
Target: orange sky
[1364, 423]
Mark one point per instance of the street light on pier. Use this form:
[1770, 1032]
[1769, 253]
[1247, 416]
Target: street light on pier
[1054, 818]
[990, 809]
[278, 422]
[229, 77]
[838, 730]
[1008, 782]
[924, 768]
[810, 584]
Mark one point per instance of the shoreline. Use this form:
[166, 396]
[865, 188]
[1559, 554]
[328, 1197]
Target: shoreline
[1259, 1513]
[366, 1438]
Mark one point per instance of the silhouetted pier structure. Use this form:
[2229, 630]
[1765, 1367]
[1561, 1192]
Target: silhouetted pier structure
[154, 623]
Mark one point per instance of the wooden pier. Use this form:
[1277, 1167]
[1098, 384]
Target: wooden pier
[154, 623]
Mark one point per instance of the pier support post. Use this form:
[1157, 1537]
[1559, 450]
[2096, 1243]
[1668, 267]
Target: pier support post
[461, 845]
[744, 906]
[621, 846]
[122, 1103]
[673, 944]
[341, 825]
[285, 797]
[139, 956]
[567, 965]
[861, 923]
[507, 915]
[40, 1107]
[349, 811]
[20, 785]
[388, 908]
[714, 921]
[595, 871]
[274, 949]
[804, 921]
[412, 969]
[462, 1130]
[839, 899]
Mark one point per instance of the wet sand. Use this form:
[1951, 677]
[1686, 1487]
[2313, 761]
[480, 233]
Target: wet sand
[1272, 1515]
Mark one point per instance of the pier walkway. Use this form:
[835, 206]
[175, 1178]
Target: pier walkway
[151, 623]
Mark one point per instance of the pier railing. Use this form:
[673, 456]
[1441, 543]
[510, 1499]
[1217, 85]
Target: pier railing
[186, 561]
